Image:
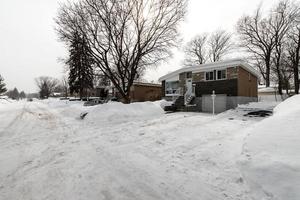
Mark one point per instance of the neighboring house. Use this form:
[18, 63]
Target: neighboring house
[271, 93]
[234, 82]
[140, 92]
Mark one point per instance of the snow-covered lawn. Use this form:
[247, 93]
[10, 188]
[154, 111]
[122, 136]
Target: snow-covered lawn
[137, 152]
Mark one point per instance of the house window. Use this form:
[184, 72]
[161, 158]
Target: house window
[189, 75]
[221, 74]
[209, 76]
[172, 87]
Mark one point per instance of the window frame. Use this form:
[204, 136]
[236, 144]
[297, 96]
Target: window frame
[220, 70]
[212, 76]
[172, 89]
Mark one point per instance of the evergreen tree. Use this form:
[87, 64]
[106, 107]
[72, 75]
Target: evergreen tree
[2, 86]
[22, 95]
[80, 66]
[15, 94]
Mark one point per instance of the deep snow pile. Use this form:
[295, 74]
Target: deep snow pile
[135, 151]
[271, 158]
[119, 112]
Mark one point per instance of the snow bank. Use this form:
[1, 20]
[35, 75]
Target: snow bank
[164, 103]
[290, 105]
[118, 112]
[6, 103]
[271, 162]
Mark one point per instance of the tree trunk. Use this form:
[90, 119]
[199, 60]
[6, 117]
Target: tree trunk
[296, 79]
[279, 84]
[126, 99]
[268, 75]
[80, 93]
[279, 78]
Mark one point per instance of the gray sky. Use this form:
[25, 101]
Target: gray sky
[29, 46]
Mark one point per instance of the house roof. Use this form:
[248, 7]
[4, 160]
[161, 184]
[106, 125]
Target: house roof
[213, 66]
[147, 84]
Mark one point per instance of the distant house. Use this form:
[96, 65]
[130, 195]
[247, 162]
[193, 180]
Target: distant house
[139, 92]
[234, 82]
[271, 93]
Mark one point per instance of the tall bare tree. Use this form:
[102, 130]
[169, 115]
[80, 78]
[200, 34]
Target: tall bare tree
[196, 50]
[282, 19]
[256, 36]
[265, 37]
[124, 35]
[219, 45]
[294, 54]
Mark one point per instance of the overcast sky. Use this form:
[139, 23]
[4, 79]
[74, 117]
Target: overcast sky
[29, 46]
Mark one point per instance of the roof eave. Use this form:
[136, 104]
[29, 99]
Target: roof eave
[200, 68]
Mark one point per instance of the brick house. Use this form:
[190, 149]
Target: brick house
[233, 81]
[140, 92]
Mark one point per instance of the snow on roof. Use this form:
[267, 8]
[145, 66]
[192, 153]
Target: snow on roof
[147, 84]
[213, 66]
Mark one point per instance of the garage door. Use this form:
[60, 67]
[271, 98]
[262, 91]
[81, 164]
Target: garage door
[220, 103]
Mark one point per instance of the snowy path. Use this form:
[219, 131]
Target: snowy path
[46, 153]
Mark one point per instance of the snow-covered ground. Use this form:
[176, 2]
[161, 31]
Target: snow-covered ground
[138, 152]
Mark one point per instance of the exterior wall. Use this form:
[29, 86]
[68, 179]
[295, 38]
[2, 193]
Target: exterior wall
[228, 87]
[199, 76]
[182, 79]
[247, 83]
[232, 73]
[222, 103]
[163, 88]
[198, 103]
[140, 93]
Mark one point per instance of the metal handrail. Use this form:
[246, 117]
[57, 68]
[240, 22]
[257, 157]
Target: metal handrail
[189, 93]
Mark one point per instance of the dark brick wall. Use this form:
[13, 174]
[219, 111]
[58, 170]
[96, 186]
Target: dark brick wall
[141, 93]
[163, 88]
[229, 87]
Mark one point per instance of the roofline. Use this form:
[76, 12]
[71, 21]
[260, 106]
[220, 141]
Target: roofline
[147, 84]
[210, 66]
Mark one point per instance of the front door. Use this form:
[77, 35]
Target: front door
[189, 86]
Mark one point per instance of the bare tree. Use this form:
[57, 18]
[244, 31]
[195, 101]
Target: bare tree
[294, 54]
[282, 19]
[256, 36]
[265, 38]
[196, 50]
[46, 86]
[219, 45]
[63, 86]
[124, 36]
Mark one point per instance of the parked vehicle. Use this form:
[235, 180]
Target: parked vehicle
[93, 102]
